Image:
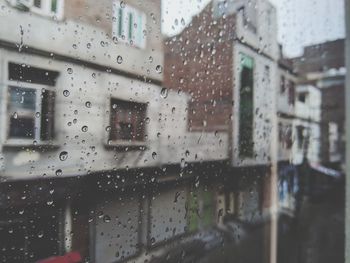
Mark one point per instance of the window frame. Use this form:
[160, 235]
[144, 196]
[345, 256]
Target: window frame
[38, 108]
[141, 144]
[45, 9]
[7, 83]
[121, 26]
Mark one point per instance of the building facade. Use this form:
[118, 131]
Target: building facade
[96, 157]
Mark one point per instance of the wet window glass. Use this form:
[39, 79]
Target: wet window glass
[174, 131]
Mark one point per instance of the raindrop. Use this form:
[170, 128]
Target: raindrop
[147, 120]
[119, 59]
[15, 115]
[187, 153]
[122, 4]
[59, 172]
[63, 155]
[66, 93]
[164, 93]
[37, 114]
[88, 104]
[159, 69]
[154, 155]
[40, 234]
[106, 218]
[88, 45]
[69, 70]
[84, 128]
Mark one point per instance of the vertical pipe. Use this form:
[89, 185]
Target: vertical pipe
[274, 174]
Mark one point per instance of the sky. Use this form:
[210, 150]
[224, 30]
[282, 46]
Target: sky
[300, 22]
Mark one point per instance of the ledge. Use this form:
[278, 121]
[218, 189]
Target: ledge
[28, 144]
[126, 145]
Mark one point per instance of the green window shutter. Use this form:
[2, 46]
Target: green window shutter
[193, 220]
[139, 30]
[208, 212]
[246, 107]
[131, 25]
[120, 20]
[54, 6]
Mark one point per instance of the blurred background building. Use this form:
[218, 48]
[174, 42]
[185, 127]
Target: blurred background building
[119, 145]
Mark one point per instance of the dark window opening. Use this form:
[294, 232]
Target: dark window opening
[127, 121]
[302, 97]
[283, 84]
[246, 108]
[30, 74]
[291, 92]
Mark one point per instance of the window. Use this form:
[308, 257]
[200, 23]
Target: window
[283, 85]
[291, 92]
[42, 7]
[302, 97]
[285, 135]
[246, 108]
[127, 121]
[129, 25]
[30, 104]
[300, 136]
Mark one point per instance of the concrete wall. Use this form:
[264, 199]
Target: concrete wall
[85, 34]
[264, 107]
[90, 151]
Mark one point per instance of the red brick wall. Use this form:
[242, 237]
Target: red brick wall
[199, 61]
[92, 12]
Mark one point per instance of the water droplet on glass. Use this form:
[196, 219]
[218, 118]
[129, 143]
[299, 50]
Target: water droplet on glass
[69, 70]
[40, 234]
[187, 153]
[63, 155]
[88, 45]
[15, 115]
[122, 4]
[88, 104]
[119, 59]
[154, 155]
[84, 128]
[58, 172]
[164, 93]
[106, 218]
[159, 69]
[183, 21]
[66, 93]
[147, 120]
